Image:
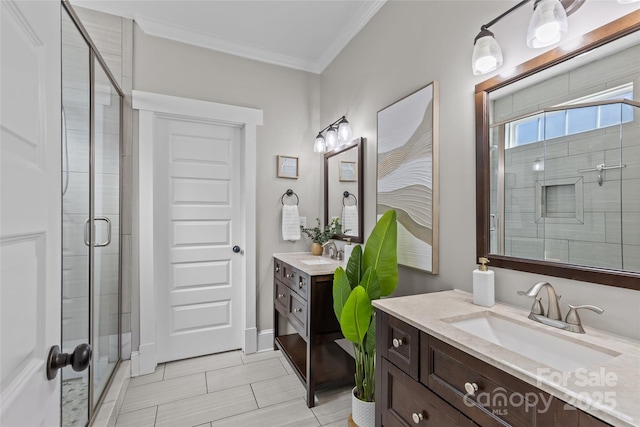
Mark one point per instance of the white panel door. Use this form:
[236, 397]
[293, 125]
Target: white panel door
[197, 172]
[30, 221]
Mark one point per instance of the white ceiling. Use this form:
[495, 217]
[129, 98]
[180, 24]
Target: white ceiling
[301, 34]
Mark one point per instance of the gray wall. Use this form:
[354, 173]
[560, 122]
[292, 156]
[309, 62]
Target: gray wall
[290, 101]
[403, 48]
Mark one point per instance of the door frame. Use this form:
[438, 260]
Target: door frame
[150, 105]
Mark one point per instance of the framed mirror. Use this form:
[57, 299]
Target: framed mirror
[558, 161]
[343, 189]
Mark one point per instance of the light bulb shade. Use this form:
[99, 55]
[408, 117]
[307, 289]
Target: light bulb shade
[332, 138]
[487, 55]
[344, 131]
[548, 24]
[319, 145]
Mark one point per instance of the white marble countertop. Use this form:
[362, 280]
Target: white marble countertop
[310, 264]
[609, 391]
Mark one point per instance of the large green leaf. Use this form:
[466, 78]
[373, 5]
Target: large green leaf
[371, 284]
[356, 315]
[341, 291]
[354, 266]
[381, 252]
[370, 341]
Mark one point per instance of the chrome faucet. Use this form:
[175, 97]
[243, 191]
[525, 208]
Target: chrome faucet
[553, 316]
[333, 249]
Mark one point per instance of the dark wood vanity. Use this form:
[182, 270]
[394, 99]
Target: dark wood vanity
[422, 380]
[304, 300]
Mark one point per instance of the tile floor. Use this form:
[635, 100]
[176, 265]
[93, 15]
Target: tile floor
[229, 389]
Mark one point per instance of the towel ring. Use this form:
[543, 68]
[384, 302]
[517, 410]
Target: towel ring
[290, 193]
[346, 195]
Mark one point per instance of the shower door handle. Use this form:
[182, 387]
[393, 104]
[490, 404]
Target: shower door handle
[108, 221]
[86, 232]
[79, 359]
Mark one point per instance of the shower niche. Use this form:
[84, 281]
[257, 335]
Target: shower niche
[91, 272]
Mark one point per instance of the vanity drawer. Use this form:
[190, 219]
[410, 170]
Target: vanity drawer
[406, 401]
[400, 345]
[289, 275]
[281, 297]
[298, 313]
[500, 398]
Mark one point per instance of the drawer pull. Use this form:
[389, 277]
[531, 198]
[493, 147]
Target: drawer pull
[280, 295]
[301, 284]
[417, 417]
[288, 275]
[297, 310]
[397, 343]
[471, 388]
[277, 269]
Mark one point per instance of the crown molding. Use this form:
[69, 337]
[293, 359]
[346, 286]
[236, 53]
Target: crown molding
[196, 38]
[366, 11]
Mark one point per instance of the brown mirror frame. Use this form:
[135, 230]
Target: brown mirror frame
[598, 37]
[359, 143]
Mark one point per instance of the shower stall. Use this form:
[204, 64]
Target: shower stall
[91, 205]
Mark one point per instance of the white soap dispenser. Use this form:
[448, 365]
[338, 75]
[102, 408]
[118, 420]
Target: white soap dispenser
[483, 288]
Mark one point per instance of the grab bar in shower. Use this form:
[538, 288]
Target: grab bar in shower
[86, 232]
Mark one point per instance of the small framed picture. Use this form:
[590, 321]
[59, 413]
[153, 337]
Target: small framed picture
[348, 171]
[287, 167]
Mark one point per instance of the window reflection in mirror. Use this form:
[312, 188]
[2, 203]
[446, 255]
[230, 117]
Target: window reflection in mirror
[343, 189]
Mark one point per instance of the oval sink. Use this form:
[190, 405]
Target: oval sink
[554, 351]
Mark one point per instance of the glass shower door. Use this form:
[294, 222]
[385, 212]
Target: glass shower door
[91, 134]
[106, 260]
[76, 142]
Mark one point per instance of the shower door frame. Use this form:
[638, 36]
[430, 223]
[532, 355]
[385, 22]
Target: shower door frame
[94, 55]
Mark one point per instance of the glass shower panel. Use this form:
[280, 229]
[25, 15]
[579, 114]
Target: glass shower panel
[630, 136]
[75, 215]
[524, 174]
[106, 340]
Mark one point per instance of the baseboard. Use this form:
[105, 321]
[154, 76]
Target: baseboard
[265, 340]
[250, 340]
[144, 361]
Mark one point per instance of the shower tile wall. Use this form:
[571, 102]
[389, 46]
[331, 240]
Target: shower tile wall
[607, 238]
[113, 37]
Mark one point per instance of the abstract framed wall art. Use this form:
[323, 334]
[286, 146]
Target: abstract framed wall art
[408, 175]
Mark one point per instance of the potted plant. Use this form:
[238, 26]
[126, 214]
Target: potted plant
[319, 235]
[369, 275]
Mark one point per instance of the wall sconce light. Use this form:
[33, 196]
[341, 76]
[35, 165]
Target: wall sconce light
[548, 25]
[337, 133]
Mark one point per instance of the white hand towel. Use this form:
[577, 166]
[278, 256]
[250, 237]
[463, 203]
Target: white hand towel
[350, 220]
[290, 222]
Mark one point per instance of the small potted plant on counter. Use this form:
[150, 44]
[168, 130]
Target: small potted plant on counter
[369, 275]
[320, 236]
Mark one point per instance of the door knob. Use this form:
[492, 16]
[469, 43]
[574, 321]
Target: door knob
[79, 359]
[236, 249]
